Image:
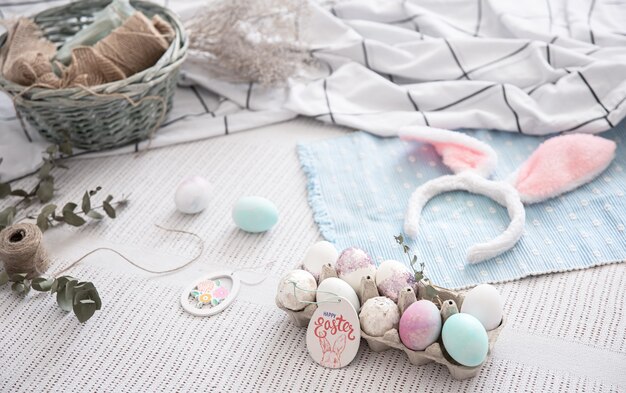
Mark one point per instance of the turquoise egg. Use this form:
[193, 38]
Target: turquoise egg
[465, 339]
[255, 214]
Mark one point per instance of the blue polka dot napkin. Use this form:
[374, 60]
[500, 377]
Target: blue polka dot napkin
[359, 186]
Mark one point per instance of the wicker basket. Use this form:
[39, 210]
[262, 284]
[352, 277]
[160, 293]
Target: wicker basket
[106, 119]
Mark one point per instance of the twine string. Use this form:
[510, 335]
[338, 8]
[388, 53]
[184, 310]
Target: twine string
[295, 285]
[170, 230]
[22, 251]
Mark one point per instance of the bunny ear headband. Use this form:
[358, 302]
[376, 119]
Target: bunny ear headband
[559, 165]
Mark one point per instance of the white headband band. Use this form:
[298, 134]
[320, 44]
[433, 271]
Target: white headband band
[501, 192]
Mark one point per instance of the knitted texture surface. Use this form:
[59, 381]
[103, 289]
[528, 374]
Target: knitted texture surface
[564, 331]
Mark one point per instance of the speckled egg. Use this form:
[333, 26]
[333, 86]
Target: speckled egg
[420, 325]
[332, 287]
[255, 214]
[392, 277]
[192, 195]
[378, 315]
[486, 304]
[304, 289]
[354, 264]
[320, 254]
[465, 339]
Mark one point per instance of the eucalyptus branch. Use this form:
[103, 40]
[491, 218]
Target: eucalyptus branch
[425, 287]
[48, 217]
[43, 191]
[72, 295]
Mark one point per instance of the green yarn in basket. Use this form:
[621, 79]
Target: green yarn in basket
[104, 116]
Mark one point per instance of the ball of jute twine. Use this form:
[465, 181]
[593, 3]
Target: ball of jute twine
[22, 251]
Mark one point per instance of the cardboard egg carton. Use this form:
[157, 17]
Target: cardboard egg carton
[391, 339]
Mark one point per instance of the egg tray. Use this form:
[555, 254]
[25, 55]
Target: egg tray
[391, 339]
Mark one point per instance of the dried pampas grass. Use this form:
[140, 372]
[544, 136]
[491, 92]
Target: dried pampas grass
[251, 41]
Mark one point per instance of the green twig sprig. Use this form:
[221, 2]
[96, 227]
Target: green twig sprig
[81, 297]
[429, 291]
[43, 192]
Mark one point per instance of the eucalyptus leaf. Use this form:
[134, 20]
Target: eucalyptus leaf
[108, 209]
[65, 295]
[69, 207]
[18, 277]
[5, 190]
[84, 309]
[84, 285]
[87, 290]
[64, 280]
[72, 219]
[52, 149]
[45, 169]
[7, 215]
[42, 222]
[66, 148]
[4, 278]
[54, 287]
[18, 287]
[42, 284]
[45, 191]
[19, 193]
[86, 205]
[48, 209]
[95, 215]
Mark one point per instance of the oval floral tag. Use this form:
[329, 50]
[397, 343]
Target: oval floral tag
[334, 334]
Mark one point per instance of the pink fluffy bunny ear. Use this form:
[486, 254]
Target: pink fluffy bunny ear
[459, 152]
[562, 164]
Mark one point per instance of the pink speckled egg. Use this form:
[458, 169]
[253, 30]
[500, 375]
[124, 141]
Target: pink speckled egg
[392, 277]
[352, 265]
[420, 325]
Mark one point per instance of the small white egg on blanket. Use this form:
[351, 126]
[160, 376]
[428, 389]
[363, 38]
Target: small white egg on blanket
[193, 195]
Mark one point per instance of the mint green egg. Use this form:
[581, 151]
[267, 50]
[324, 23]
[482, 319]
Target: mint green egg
[465, 339]
[255, 214]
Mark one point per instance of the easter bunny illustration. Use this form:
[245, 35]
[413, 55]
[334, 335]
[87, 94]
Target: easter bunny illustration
[557, 166]
[331, 357]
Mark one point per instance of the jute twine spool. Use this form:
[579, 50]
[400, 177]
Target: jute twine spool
[22, 251]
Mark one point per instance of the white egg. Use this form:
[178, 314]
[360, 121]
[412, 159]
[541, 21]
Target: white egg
[392, 277]
[193, 195]
[329, 289]
[296, 297]
[378, 315]
[320, 254]
[486, 304]
[352, 265]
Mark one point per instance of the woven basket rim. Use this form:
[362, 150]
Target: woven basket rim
[179, 44]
